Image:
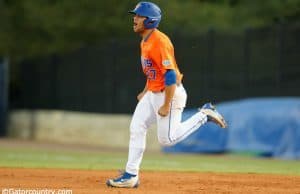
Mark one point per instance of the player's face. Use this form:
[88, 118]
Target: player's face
[138, 24]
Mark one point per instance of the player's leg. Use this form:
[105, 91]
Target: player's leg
[177, 130]
[171, 130]
[142, 118]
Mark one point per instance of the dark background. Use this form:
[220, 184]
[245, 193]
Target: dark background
[217, 67]
[83, 56]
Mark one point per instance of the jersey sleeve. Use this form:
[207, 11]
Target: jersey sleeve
[164, 56]
[167, 56]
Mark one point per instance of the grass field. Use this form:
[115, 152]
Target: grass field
[85, 169]
[28, 157]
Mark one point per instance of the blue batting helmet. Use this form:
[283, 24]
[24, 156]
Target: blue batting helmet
[149, 10]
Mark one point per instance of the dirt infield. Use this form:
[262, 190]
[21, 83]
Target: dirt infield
[93, 181]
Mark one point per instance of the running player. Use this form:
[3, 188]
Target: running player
[163, 99]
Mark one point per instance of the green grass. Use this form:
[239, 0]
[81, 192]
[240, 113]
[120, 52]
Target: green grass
[38, 158]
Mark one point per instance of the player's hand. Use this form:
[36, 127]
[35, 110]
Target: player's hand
[140, 95]
[164, 110]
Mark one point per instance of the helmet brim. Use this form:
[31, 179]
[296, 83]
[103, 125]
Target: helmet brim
[132, 12]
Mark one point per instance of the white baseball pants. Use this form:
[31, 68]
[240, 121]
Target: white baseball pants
[170, 129]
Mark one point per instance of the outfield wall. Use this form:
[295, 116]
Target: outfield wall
[107, 130]
[264, 126]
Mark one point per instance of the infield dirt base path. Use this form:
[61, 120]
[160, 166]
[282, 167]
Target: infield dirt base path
[93, 181]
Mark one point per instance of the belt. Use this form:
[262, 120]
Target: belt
[162, 90]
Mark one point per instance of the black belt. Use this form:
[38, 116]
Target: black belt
[160, 91]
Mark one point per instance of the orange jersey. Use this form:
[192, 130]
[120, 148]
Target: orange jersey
[157, 56]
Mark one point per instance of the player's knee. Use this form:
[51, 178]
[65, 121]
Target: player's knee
[137, 127]
[164, 141]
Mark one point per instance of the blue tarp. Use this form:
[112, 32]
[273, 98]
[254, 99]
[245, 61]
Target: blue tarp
[268, 126]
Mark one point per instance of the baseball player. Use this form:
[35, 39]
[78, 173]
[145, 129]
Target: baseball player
[163, 99]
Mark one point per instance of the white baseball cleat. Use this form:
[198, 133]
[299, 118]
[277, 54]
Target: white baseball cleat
[126, 180]
[213, 115]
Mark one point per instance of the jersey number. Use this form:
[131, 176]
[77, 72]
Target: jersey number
[151, 74]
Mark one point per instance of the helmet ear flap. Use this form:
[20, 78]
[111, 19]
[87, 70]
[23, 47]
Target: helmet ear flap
[147, 22]
[151, 22]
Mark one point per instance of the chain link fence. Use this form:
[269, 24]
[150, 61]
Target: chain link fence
[216, 66]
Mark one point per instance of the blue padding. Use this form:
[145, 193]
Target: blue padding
[170, 77]
[264, 126]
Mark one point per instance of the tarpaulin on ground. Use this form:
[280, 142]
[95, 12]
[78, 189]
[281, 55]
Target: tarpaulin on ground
[266, 126]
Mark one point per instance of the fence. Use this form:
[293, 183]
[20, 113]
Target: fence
[3, 95]
[216, 66]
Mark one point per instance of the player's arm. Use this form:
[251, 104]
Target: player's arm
[170, 87]
[141, 94]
